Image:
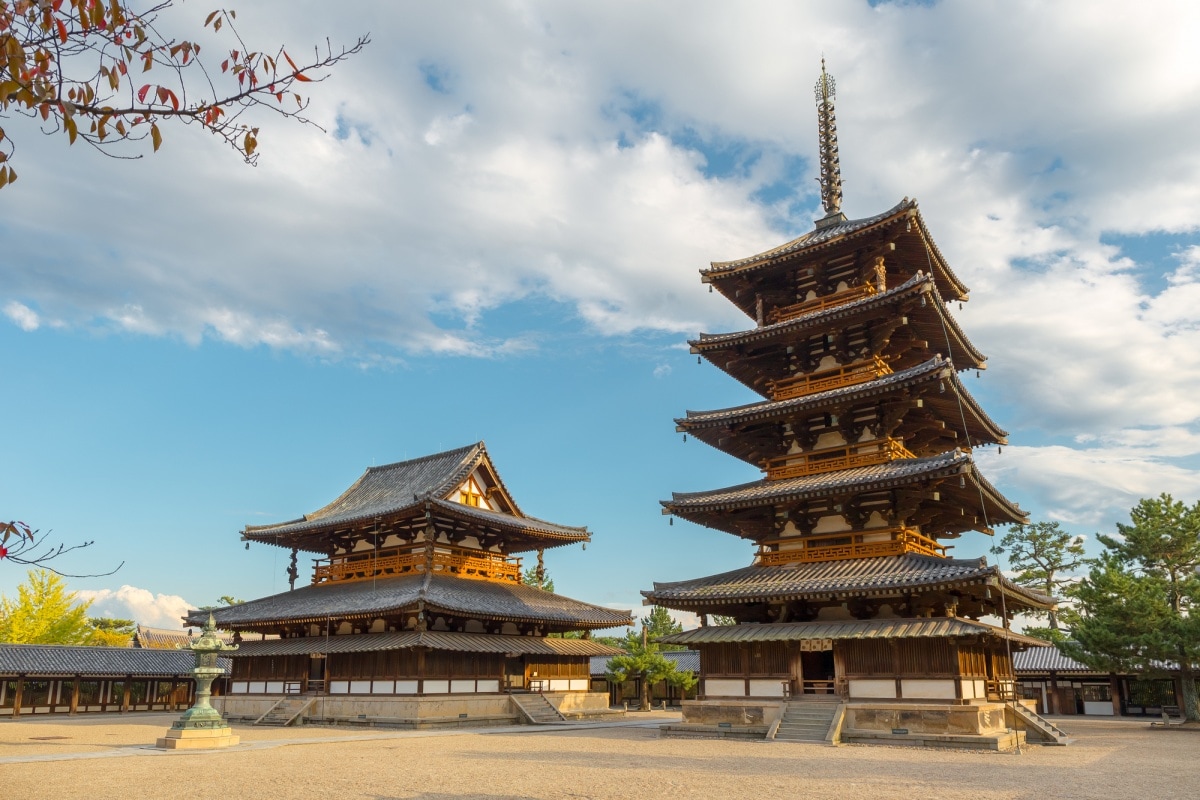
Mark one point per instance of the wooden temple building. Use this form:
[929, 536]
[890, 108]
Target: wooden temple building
[416, 612]
[865, 436]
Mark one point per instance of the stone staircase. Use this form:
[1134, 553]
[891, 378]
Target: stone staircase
[1038, 730]
[806, 721]
[285, 712]
[537, 709]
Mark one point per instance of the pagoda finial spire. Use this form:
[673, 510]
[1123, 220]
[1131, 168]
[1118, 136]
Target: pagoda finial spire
[831, 168]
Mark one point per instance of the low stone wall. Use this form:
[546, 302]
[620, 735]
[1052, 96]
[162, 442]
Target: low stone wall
[975, 726]
[580, 704]
[743, 719]
[465, 710]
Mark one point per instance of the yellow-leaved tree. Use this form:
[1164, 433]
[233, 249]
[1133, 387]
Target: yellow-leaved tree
[44, 612]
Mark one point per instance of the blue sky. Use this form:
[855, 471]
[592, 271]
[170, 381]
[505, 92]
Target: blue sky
[498, 238]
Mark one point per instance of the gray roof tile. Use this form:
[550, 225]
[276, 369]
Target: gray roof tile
[489, 599]
[878, 576]
[434, 640]
[922, 628]
[56, 659]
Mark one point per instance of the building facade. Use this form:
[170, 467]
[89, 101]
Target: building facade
[865, 435]
[416, 609]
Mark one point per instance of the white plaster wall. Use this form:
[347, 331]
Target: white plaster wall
[724, 687]
[766, 687]
[872, 689]
[927, 689]
[834, 523]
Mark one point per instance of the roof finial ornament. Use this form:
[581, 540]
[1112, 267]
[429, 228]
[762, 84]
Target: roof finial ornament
[831, 168]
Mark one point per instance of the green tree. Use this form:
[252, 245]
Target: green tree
[44, 612]
[229, 600]
[651, 666]
[111, 632]
[544, 582]
[1138, 607]
[70, 67]
[722, 619]
[1044, 557]
[655, 625]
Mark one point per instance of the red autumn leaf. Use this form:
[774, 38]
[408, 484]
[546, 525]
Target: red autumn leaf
[62, 30]
[142, 93]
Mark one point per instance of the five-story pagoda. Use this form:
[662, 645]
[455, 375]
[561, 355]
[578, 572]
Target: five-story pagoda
[865, 435]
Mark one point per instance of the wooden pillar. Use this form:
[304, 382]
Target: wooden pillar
[17, 697]
[1114, 692]
[125, 697]
[74, 696]
[1055, 701]
[421, 671]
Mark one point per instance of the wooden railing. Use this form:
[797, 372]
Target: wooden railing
[852, 544]
[801, 385]
[862, 454]
[411, 558]
[783, 313]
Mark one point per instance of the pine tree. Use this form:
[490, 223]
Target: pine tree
[44, 612]
[1044, 556]
[1139, 607]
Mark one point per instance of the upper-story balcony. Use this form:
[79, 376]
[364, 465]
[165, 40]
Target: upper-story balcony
[851, 544]
[861, 454]
[801, 385]
[784, 313]
[408, 559]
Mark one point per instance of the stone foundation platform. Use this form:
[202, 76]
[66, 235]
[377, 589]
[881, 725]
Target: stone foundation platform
[977, 726]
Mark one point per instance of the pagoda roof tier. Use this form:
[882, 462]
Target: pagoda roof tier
[749, 509]
[751, 432]
[743, 280]
[920, 628]
[396, 498]
[433, 640]
[759, 355]
[823, 581]
[434, 593]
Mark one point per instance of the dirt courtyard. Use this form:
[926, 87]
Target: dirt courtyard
[97, 758]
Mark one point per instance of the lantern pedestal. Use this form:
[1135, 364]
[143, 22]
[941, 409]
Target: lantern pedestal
[202, 727]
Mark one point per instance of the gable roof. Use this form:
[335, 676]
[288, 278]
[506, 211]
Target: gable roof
[405, 488]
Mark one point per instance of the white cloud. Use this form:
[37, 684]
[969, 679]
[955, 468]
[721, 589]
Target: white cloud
[22, 316]
[566, 157]
[140, 605]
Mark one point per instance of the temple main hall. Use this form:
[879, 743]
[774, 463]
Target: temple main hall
[416, 613]
[854, 622]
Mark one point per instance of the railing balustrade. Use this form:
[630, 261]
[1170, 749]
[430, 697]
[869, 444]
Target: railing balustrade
[407, 559]
[852, 544]
[861, 454]
[784, 313]
[798, 386]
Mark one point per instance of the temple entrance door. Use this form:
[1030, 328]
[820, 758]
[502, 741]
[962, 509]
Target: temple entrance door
[816, 672]
[514, 673]
[316, 674]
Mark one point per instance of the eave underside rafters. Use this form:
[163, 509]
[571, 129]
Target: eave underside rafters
[898, 235]
[905, 326]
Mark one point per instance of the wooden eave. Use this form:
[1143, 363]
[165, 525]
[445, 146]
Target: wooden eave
[750, 511]
[759, 355]
[742, 280]
[741, 431]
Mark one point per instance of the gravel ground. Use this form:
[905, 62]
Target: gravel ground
[98, 758]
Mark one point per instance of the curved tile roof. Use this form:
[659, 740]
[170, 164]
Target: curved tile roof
[59, 659]
[918, 284]
[434, 640]
[828, 236]
[922, 628]
[501, 600]
[404, 487]
[861, 577]
[880, 476]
